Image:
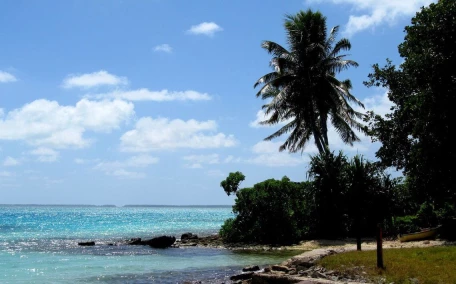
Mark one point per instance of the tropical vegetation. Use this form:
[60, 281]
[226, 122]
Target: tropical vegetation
[349, 196]
[302, 91]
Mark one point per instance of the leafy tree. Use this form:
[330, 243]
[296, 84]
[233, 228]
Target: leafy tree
[303, 90]
[270, 212]
[232, 182]
[328, 175]
[416, 135]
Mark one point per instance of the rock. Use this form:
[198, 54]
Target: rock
[251, 268]
[86, 244]
[276, 279]
[189, 236]
[135, 241]
[243, 276]
[160, 242]
[280, 268]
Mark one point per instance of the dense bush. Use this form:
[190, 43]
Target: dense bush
[272, 211]
[406, 224]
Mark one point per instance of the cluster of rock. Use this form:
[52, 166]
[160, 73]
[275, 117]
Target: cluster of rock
[187, 239]
[299, 269]
[157, 242]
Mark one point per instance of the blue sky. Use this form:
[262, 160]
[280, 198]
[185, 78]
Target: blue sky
[152, 102]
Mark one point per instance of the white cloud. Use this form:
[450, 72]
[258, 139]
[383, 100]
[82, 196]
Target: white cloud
[163, 48]
[231, 159]
[373, 13]
[6, 77]
[117, 168]
[267, 154]
[85, 161]
[46, 155]
[194, 166]
[95, 79]
[261, 116]
[380, 104]
[158, 96]
[141, 161]
[161, 133]
[205, 28]
[46, 123]
[10, 161]
[6, 174]
[196, 161]
[121, 173]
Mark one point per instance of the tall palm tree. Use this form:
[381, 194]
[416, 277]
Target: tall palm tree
[303, 91]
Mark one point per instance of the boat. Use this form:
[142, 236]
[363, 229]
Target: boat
[424, 234]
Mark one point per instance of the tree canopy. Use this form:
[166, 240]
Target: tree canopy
[232, 182]
[302, 90]
[416, 135]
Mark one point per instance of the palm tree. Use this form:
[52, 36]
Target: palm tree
[303, 91]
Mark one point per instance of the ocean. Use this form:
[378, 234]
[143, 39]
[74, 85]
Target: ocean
[38, 244]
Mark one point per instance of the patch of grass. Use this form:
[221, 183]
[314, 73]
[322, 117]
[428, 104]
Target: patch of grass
[407, 265]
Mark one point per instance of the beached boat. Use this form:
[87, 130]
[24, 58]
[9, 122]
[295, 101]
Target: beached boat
[423, 235]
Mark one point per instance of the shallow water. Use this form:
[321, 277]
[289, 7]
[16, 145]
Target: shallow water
[39, 244]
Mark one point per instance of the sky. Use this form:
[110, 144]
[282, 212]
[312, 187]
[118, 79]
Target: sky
[152, 102]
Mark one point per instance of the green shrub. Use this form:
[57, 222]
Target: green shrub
[270, 212]
[406, 224]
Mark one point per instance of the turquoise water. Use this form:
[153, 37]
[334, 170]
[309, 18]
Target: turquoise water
[38, 244]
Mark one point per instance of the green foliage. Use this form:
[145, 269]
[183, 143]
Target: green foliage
[232, 182]
[272, 212]
[350, 197]
[329, 180]
[303, 89]
[406, 224]
[417, 135]
[343, 198]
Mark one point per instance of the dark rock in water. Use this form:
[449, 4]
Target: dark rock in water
[86, 244]
[135, 241]
[251, 268]
[189, 236]
[243, 276]
[160, 242]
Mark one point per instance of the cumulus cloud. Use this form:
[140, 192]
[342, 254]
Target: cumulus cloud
[261, 116]
[158, 96]
[6, 77]
[117, 168]
[161, 134]
[380, 104]
[45, 155]
[10, 161]
[196, 161]
[46, 123]
[91, 80]
[267, 154]
[85, 161]
[372, 13]
[121, 173]
[205, 28]
[163, 48]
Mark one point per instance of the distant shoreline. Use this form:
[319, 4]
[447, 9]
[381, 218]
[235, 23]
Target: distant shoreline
[120, 206]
